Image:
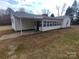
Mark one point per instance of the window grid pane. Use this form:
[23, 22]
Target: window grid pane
[51, 23]
[47, 23]
[44, 24]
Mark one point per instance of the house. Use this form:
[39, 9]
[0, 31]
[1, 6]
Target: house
[24, 21]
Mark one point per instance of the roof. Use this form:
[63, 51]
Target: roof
[33, 16]
[26, 15]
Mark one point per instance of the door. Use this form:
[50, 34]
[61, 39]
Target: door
[38, 25]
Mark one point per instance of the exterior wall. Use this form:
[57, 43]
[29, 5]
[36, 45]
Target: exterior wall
[49, 28]
[69, 22]
[30, 24]
[26, 24]
[66, 22]
[13, 22]
[42, 28]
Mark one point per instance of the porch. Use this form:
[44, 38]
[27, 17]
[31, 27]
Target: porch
[39, 25]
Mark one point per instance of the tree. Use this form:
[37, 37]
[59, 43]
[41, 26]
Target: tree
[74, 7]
[73, 11]
[69, 11]
[58, 8]
[52, 15]
[60, 11]
[45, 11]
[63, 9]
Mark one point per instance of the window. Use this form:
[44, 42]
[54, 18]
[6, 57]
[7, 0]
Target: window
[40, 23]
[48, 23]
[54, 23]
[44, 23]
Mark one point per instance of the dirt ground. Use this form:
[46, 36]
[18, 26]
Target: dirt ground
[55, 44]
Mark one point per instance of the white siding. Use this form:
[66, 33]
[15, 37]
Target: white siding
[69, 22]
[66, 22]
[13, 22]
[45, 28]
[49, 28]
[26, 24]
[29, 24]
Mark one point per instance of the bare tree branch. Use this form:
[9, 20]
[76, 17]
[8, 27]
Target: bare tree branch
[58, 8]
[63, 9]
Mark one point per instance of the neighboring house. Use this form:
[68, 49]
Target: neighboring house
[24, 21]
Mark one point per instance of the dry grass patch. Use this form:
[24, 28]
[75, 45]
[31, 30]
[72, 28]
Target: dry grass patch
[4, 32]
[56, 44]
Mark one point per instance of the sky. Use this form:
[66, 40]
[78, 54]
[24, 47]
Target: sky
[35, 5]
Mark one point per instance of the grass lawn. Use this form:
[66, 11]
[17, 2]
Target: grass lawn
[5, 30]
[55, 44]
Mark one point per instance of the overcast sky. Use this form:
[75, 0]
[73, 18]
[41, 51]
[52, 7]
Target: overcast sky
[35, 5]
